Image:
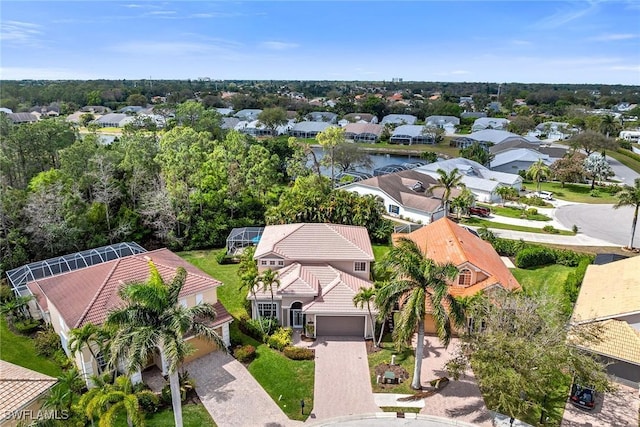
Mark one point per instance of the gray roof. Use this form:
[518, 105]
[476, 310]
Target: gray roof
[229, 122]
[367, 117]
[493, 135]
[493, 122]
[111, 118]
[469, 168]
[322, 116]
[398, 119]
[224, 111]
[410, 131]
[22, 117]
[519, 155]
[553, 152]
[441, 120]
[311, 126]
[248, 114]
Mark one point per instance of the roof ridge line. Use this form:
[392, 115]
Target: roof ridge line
[331, 226]
[458, 244]
[95, 297]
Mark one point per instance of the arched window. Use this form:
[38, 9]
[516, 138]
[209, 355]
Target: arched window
[464, 278]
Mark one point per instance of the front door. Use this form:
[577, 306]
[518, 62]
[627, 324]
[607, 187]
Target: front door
[298, 318]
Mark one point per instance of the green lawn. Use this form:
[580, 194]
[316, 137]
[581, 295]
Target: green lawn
[20, 350]
[499, 225]
[513, 212]
[548, 279]
[405, 358]
[628, 161]
[286, 381]
[580, 193]
[379, 251]
[192, 416]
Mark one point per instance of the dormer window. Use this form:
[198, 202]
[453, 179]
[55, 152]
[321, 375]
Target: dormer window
[464, 278]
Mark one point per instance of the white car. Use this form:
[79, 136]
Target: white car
[546, 195]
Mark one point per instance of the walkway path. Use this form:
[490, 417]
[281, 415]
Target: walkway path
[232, 396]
[342, 381]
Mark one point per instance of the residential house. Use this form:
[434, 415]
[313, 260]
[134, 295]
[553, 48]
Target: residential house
[224, 111]
[308, 129]
[131, 109]
[609, 299]
[229, 122]
[630, 135]
[363, 132]
[248, 114]
[95, 109]
[488, 138]
[479, 265]
[22, 392]
[257, 128]
[113, 120]
[399, 119]
[19, 118]
[465, 101]
[518, 159]
[489, 123]
[411, 134]
[323, 116]
[481, 181]
[553, 152]
[446, 123]
[321, 267]
[407, 194]
[554, 131]
[86, 295]
[361, 118]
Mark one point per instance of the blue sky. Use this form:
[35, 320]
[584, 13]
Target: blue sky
[500, 41]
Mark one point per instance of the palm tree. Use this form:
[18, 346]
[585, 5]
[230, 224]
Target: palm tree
[608, 125]
[62, 394]
[248, 273]
[365, 297]
[152, 318]
[269, 279]
[447, 181]
[16, 308]
[463, 201]
[630, 196]
[538, 171]
[106, 401]
[505, 193]
[87, 335]
[415, 283]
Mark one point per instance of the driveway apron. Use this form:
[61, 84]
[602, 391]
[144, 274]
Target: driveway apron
[342, 381]
[231, 395]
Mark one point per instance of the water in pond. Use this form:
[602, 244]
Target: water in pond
[378, 160]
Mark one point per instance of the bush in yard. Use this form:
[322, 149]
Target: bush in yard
[148, 401]
[47, 342]
[27, 327]
[258, 329]
[6, 294]
[280, 339]
[532, 211]
[574, 280]
[222, 258]
[533, 201]
[245, 353]
[299, 353]
[533, 257]
[550, 229]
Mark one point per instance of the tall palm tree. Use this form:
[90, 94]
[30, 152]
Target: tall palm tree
[248, 274]
[447, 181]
[538, 171]
[630, 196]
[268, 280]
[463, 201]
[61, 395]
[151, 319]
[415, 283]
[365, 297]
[608, 125]
[88, 335]
[107, 400]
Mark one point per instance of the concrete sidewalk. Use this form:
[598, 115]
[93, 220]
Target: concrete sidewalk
[577, 240]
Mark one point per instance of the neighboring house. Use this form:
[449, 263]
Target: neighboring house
[256, 128]
[518, 159]
[554, 131]
[411, 134]
[363, 132]
[18, 118]
[308, 129]
[361, 118]
[399, 119]
[630, 135]
[553, 153]
[447, 123]
[320, 267]
[248, 114]
[86, 295]
[21, 394]
[323, 116]
[113, 120]
[489, 138]
[224, 111]
[479, 265]
[95, 109]
[494, 107]
[131, 109]
[6, 110]
[472, 115]
[229, 122]
[483, 123]
[609, 299]
[406, 194]
[481, 181]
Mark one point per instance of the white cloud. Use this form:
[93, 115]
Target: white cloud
[162, 12]
[614, 37]
[18, 32]
[275, 45]
[564, 16]
[34, 73]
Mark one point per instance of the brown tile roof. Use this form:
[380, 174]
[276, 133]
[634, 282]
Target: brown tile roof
[316, 242]
[88, 294]
[445, 241]
[609, 290]
[359, 128]
[19, 386]
[617, 339]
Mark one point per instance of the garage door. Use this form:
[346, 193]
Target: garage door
[340, 325]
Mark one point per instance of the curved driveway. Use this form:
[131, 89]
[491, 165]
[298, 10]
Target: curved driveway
[599, 221]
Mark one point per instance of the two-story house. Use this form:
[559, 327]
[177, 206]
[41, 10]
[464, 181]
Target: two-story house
[320, 268]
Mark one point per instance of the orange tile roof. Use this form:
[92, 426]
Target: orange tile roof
[88, 294]
[445, 241]
[20, 386]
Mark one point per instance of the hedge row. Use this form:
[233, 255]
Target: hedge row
[535, 255]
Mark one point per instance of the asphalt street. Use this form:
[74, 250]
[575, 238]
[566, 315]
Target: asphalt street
[600, 221]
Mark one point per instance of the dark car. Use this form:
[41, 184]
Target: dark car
[583, 397]
[480, 211]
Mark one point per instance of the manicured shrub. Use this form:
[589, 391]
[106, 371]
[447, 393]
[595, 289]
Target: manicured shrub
[245, 353]
[533, 201]
[574, 280]
[532, 211]
[280, 339]
[149, 402]
[299, 353]
[222, 258]
[259, 329]
[533, 257]
[47, 342]
[550, 229]
[27, 327]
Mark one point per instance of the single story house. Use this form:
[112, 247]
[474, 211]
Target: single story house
[308, 129]
[479, 265]
[609, 299]
[256, 128]
[113, 120]
[361, 118]
[554, 152]
[555, 131]
[321, 267]
[481, 181]
[489, 123]
[22, 392]
[363, 132]
[86, 295]
[405, 194]
[323, 116]
[224, 111]
[447, 123]
[518, 159]
[399, 119]
[411, 134]
[229, 122]
[18, 118]
[248, 114]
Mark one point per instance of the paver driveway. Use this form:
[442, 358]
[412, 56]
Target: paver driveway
[618, 408]
[342, 381]
[231, 395]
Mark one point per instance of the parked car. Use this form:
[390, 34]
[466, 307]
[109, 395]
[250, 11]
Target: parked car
[545, 195]
[583, 396]
[480, 211]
